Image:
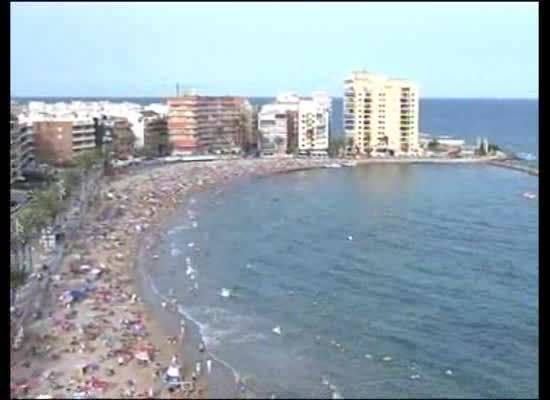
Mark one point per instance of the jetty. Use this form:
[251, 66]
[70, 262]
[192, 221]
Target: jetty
[515, 166]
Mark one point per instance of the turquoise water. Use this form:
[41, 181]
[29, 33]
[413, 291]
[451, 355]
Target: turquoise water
[385, 281]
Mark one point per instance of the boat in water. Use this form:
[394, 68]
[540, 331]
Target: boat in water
[333, 165]
[349, 163]
[529, 195]
[527, 156]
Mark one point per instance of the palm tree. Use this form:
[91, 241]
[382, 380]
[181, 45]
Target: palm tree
[279, 141]
[48, 201]
[27, 225]
[84, 163]
[70, 179]
[350, 144]
[335, 147]
[433, 144]
[17, 266]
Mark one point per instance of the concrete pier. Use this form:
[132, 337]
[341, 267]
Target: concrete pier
[517, 167]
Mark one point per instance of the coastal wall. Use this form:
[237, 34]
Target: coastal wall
[516, 167]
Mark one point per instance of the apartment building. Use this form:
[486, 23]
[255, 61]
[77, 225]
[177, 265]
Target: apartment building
[155, 133]
[58, 139]
[205, 124]
[132, 112]
[123, 139]
[276, 124]
[15, 170]
[21, 148]
[293, 123]
[313, 127]
[381, 115]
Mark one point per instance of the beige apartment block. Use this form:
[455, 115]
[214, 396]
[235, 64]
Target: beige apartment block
[380, 115]
[198, 124]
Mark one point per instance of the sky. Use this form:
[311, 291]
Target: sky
[451, 50]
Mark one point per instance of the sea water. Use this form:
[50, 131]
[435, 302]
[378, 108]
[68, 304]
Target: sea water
[436, 295]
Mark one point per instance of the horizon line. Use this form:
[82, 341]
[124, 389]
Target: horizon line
[258, 96]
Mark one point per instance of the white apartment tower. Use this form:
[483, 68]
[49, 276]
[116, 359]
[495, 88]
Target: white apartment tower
[380, 115]
[313, 127]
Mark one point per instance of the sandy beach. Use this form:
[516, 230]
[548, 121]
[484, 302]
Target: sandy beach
[112, 337]
[97, 337]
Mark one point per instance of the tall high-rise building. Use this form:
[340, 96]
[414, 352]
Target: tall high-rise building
[199, 124]
[381, 115]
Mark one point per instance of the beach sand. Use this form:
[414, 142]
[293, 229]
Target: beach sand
[107, 324]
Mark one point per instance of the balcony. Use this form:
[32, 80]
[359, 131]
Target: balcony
[83, 146]
[83, 129]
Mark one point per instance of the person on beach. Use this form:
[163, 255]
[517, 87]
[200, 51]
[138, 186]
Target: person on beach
[198, 366]
[182, 332]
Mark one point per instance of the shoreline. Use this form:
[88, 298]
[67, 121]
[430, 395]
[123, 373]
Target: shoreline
[148, 204]
[231, 387]
[133, 209]
[189, 351]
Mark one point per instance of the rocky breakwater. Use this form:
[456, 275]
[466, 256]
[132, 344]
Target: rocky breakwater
[95, 337]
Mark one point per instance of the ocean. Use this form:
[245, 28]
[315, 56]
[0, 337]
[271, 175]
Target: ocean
[384, 281]
[415, 281]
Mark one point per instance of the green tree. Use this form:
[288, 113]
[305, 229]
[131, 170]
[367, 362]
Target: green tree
[279, 141]
[481, 150]
[31, 220]
[47, 201]
[433, 144]
[18, 277]
[336, 146]
[71, 179]
[351, 148]
[87, 159]
[28, 224]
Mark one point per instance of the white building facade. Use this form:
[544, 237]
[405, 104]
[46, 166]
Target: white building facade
[293, 123]
[313, 127]
[274, 125]
[381, 115]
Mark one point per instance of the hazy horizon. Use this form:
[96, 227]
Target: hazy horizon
[264, 96]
